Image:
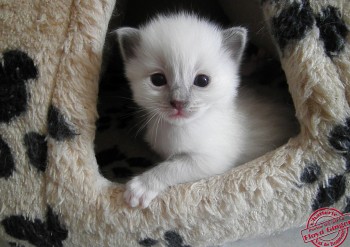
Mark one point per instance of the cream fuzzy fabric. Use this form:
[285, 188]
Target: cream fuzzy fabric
[69, 199]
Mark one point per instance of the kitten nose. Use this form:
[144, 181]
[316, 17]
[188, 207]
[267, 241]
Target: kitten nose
[177, 104]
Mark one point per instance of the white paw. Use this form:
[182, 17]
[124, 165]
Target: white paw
[138, 193]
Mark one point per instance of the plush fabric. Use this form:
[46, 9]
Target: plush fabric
[51, 191]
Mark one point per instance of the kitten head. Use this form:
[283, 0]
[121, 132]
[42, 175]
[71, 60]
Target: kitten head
[181, 66]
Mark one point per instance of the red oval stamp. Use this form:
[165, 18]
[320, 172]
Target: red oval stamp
[326, 227]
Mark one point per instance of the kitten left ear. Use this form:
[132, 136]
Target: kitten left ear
[128, 39]
[235, 39]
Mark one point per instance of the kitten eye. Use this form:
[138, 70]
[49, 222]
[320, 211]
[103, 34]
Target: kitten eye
[158, 79]
[201, 81]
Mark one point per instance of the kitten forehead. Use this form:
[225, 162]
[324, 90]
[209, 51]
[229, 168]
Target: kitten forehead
[181, 37]
[183, 27]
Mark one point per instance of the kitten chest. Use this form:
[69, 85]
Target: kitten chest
[167, 139]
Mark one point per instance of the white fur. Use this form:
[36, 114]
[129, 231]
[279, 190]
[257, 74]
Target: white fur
[220, 130]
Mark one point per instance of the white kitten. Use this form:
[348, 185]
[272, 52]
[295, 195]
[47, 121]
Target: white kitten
[183, 71]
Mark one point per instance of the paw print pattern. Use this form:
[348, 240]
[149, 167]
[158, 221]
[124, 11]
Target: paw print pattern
[293, 23]
[339, 139]
[332, 30]
[330, 193]
[172, 239]
[36, 150]
[49, 233]
[311, 173]
[58, 126]
[148, 242]
[333, 188]
[16, 68]
[7, 164]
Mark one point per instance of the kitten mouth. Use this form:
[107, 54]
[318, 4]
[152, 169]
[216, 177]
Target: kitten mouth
[177, 114]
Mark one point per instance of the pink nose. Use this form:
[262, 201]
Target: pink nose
[178, 105]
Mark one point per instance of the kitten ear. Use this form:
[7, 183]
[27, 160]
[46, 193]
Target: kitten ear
[235, 39]
[128, 39]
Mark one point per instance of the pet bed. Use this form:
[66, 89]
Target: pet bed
[51, 190]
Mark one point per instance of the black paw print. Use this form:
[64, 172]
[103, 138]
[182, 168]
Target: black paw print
[333, 30]
[339, 139]
[58, 126]
[331, 190]
[7, 164]
[16, 68]
[330, 193]
[292, 23]
[50, 233]
[173, 239]
[36, 146]
[311, 173]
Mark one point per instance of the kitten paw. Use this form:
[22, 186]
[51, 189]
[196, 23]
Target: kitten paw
[137, 193]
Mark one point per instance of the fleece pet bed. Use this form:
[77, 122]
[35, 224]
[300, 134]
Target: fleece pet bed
[51, 190]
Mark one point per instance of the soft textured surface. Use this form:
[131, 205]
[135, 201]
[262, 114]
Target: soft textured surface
[51, 193]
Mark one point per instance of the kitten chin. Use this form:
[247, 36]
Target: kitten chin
[183, 71]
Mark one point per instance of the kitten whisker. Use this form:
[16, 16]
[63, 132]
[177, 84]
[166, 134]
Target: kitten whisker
[133, 113]
[157, 125]
[140, 124]
[154, 114]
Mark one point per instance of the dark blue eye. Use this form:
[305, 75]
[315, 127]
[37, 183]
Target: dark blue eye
[201, 80]
[158, 79]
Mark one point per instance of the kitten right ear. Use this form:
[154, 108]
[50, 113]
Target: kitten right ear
[235, 39]
[128, 39]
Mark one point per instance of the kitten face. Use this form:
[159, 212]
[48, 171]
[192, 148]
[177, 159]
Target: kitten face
[179, 66]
